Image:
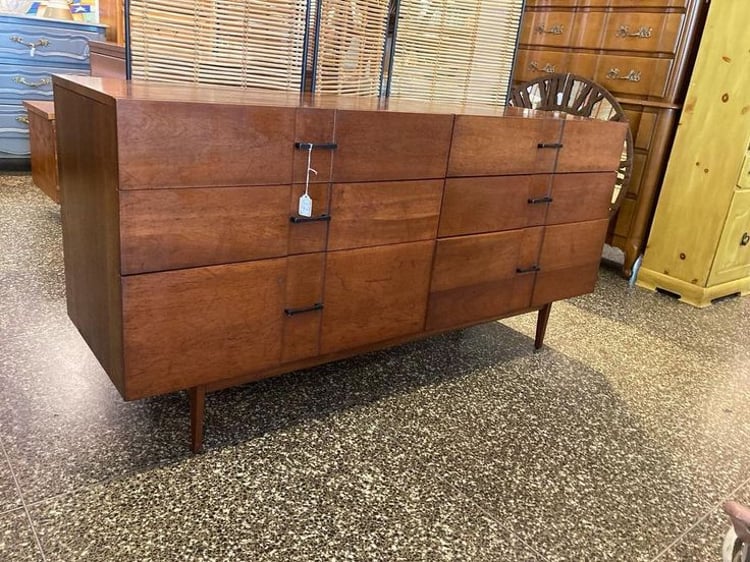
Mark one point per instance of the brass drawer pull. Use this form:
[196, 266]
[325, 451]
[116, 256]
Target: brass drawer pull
[32, 46]
[642, 33]
[557, 29]
[548, 68]
[632, 76]
[21, 80]
[22, 119]
[295, 311]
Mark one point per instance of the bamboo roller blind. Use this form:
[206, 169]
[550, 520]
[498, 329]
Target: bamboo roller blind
[455, 51]
[351, 43]
[241, 43]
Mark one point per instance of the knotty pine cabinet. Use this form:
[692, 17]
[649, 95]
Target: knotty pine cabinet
[641, 51]
[188, 267]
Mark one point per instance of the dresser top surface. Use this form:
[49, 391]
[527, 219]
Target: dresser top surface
[108, 90]
[35, 20]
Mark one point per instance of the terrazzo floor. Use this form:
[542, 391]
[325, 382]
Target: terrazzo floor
[618, 441]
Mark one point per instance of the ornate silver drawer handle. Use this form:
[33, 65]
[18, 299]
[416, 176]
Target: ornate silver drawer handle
[632, 76]
[22, 119]
[32, 46]
[21, 80]
[642, 33]
[554, 30]
[548, 68]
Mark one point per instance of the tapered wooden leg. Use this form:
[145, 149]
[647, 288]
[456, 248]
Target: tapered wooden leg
[541, 325]
[197, 396]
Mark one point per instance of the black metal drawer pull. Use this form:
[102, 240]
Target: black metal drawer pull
[313, 308]
[540, 200]
[319, 218]
[310, 145]
[549, 145]
[531, 269]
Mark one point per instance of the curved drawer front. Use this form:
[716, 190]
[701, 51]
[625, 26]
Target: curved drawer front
[634, 76]
[38, 44]
[552, 29]
[13, 119]
[645, 32]
[14, 132]
[534, 63]
[30, 83]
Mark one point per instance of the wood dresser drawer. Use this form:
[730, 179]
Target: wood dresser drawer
[488, 204]
[580, 197]
[482, 276]
[483, 146]
[569, 260]
[392, 146]
[587, 146]
[634, 76]
[29, 40]
[180, 325]
[645, 32]
[249, 145]
[376, 213]
[375, 294]
[549, 29]
[607, 3]
[534, 63]
[164, 229]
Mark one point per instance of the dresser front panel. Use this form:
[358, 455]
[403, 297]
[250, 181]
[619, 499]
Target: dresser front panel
[164, 229]
[203, 144]
[488, 204]
[183, 328]
[482, 276]
[487, 146]
[376, 213]
[569, 260]
[51, 44]
[587, 146]
[580, 197]
[633, 76]
[384, 146]
[375, 294]
[302, 312]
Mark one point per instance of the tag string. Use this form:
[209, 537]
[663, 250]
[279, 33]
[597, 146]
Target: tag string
[309, 169]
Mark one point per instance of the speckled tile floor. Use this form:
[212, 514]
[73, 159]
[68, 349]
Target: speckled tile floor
[619, 441]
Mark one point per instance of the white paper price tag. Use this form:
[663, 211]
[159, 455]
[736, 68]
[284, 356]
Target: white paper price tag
[305, 206]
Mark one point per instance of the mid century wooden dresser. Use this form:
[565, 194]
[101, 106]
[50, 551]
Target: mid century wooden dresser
[188, 265]
[641, 51]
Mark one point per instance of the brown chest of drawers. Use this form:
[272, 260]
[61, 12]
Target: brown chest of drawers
[641, 51]
[188, 267]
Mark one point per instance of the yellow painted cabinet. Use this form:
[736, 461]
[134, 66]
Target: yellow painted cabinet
[699, 245]
[733, 254]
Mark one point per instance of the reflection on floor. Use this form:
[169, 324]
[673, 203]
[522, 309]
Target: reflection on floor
[617, 442]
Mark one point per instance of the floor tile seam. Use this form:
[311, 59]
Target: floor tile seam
[6, 512]
[717, 506]
[503, 526]
[23, 503]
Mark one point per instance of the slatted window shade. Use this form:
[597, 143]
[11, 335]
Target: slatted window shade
[351, 42]
[455, 51]
[251, 43]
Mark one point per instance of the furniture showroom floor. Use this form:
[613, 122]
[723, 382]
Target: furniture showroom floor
[618, 441]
